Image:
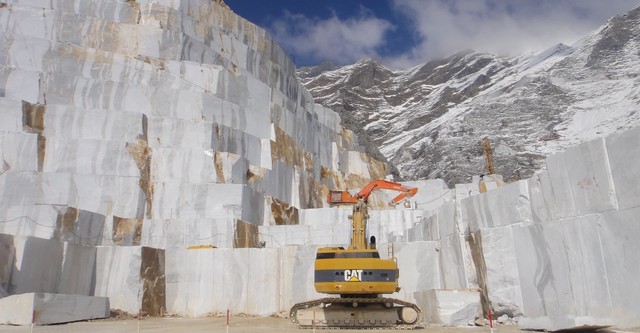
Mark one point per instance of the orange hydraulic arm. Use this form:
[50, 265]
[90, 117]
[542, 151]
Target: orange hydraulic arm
[344, 197]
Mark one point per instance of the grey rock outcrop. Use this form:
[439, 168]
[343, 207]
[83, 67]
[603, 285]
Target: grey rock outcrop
[429, 121]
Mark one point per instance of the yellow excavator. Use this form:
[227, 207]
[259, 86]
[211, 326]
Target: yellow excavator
[356, 277]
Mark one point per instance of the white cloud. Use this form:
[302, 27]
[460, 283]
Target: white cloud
[334, 39]
[444, 27]
[440, 28]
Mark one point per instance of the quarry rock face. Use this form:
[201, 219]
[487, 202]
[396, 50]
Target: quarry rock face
[164, 156]
[144, 116]
[131, 128]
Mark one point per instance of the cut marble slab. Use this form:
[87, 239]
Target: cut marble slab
[624, 155]
[47, 308]
[133, 277]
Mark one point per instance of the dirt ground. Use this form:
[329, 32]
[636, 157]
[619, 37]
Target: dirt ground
[218, 324]
[212, 324]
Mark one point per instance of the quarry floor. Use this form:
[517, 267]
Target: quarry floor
[217, 324]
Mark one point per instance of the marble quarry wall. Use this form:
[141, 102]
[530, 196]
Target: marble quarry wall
[560, 248]
[158, 123]
[132, 130]
[163, 155]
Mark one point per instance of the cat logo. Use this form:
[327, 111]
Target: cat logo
[353, 275]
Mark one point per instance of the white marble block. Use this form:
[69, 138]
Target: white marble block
[37, 265]
[581, 181]
[297, 276]
[19, 151]
[452, 263]
[619, 233]
[390, 225]
[11, 114]
[543, 270]
[77, 269]
[448, 224]
[202, 281]
[502, 279]
[132, 277]
[504, 206]
[589, 277]
[624, 154]
[559, 289]
[449, 307]
[118, 276]
[47, 308]
[541, 197]
[418, 265]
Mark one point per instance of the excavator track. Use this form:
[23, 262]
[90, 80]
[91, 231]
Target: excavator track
[356, 313]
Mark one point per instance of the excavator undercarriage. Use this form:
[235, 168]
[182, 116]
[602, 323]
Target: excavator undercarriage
[361, 313]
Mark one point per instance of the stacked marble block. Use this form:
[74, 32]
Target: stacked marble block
[130, 278]
[48, 308]
[250, 281]
[268, 281]
[402, 223]
[176, 123]
[429, 258]
[138, 120]
[560, 248]
[31, 264]
[272, 279]
[317, 227]
[153, 125]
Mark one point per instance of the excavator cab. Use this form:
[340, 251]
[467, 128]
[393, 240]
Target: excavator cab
[341, 198]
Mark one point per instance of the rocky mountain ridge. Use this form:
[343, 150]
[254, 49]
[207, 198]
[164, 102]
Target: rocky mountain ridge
[428, 121]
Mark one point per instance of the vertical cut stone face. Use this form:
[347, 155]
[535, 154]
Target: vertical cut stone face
[141, 153]
[65, 223]
[217, 162]
[7, 263]
[33, 122]
[475, 245]
[33, 117]
[153, 124]
[37, 265]
[283, 213]
[312, 192]
[152, 274]
[246, 235]
[126, 231]
[79, 226]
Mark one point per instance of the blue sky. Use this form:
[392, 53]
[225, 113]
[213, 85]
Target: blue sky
[405, 33]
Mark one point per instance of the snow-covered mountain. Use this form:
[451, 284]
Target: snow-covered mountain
[429, 121]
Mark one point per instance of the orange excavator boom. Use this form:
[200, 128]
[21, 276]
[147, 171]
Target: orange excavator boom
[344, 197]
